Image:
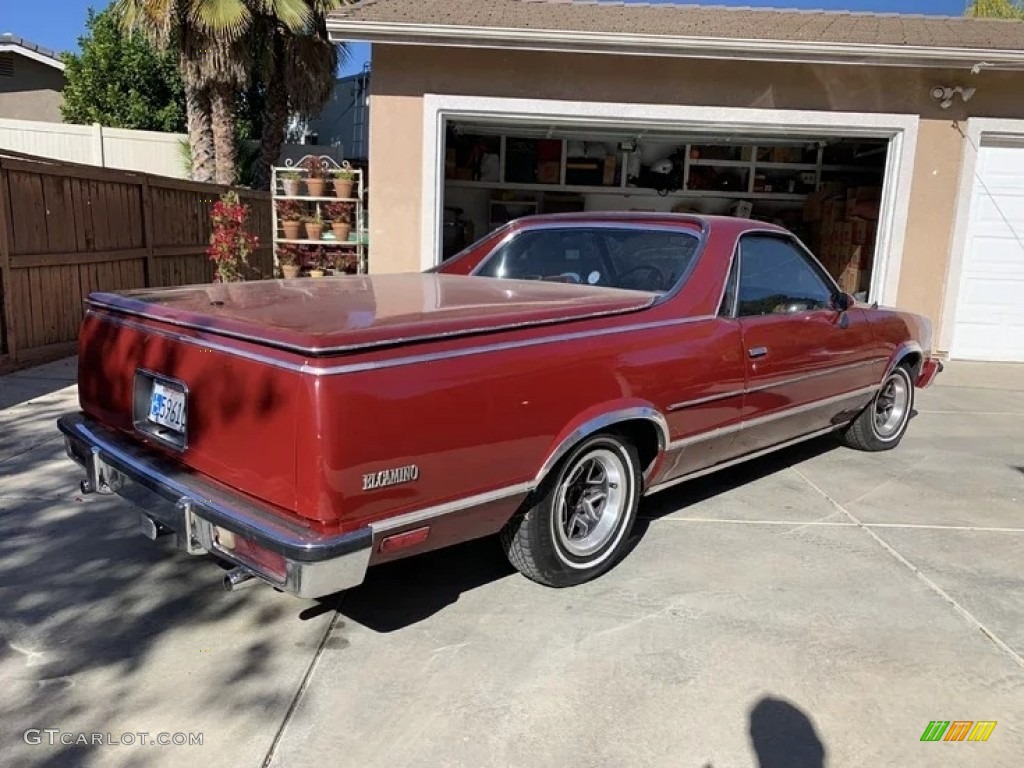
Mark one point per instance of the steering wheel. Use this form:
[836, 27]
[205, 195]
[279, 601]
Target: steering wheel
[650, 269]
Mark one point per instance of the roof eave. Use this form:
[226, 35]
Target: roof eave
[789, 51]
[28, 53]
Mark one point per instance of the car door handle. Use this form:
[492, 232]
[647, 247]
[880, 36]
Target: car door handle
[755, 352]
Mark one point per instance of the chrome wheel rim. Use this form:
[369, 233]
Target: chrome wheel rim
[891, 405]
[591, 502]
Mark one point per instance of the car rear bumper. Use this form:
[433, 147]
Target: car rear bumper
[930, 368]
[207, 517]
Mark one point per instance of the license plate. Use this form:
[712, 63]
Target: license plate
[167, 407]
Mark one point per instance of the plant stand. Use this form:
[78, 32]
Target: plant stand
[291, 182]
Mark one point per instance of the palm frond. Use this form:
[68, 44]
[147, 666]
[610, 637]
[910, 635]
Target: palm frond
[224, 19]
[296, 15]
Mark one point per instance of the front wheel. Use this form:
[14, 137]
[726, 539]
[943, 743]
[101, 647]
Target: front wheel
[578, 525]
[881, 425]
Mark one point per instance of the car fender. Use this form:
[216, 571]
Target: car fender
[599, 418]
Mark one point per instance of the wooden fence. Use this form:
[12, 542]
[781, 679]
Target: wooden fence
[67, 230]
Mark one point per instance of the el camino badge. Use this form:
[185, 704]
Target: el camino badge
[388, 477]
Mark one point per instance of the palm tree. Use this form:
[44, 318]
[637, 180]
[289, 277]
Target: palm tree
[298, 70]
[214, 40]
[996, 9]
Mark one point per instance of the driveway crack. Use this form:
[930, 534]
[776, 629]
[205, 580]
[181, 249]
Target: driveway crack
[970, 617]
[303, 684]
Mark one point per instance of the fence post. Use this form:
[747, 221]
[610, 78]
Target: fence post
[7, 290]
[147, 230]
[97, 146]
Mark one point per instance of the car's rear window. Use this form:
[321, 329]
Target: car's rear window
[651, 260]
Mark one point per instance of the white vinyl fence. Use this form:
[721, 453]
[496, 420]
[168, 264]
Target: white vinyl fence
[145, 151]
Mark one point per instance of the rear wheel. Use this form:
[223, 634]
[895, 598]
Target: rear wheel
[578, 525]
[881, 425]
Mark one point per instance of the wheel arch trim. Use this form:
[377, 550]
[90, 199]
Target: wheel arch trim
[904, 350]
[599, 423]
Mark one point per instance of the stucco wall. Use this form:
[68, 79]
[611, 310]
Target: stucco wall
[33, 93]
[402, 74]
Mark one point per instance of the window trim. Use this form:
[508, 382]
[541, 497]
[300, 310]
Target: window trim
[799, 245]
[701, 238]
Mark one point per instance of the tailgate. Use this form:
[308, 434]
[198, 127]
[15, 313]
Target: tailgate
[231, 418]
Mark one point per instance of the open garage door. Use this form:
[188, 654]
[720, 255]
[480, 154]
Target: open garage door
[827, 189]
[989, 321]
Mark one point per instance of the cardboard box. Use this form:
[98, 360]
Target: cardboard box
[833, 209]
[862, 229]
[549, 172]
[845, 233]
[850, 279]
[610, 164]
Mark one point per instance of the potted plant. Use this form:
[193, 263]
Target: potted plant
[314, 226]
[343, 180]
[316, 262]
[291, 182]
[316, 178]
[340, 216]
[288, 258]
[290, 214]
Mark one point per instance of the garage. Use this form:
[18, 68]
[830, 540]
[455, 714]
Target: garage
[826, 188]
[989, 319]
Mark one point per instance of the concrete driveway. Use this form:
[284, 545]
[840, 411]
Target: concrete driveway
[819, 607]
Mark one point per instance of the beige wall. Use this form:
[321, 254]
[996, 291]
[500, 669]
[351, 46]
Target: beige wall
[402, 74]
[33, 93]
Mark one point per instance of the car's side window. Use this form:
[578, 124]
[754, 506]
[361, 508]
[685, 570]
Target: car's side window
[776, 277]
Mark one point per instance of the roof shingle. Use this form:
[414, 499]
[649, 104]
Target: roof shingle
[705, 21]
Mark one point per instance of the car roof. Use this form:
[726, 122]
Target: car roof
[641, 218]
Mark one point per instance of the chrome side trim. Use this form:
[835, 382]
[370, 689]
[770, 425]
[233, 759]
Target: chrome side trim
[740, 459]
[500, 346]
[441, 510]
[599, 423]
[783, 383]
[182, 338]
[338, 370]
[703, 400]
[739, 426]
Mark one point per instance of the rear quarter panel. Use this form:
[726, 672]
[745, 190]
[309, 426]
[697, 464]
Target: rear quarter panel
[478, 422]
[242, 414]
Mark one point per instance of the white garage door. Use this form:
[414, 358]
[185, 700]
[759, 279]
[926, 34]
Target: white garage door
[990, 308]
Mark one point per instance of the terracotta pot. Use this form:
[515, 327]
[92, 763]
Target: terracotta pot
[316, 187]
[292, 187]
[316, 273]
[343, 188]
[290, 271]
[292, 230]
[313, 231]
[342, 229]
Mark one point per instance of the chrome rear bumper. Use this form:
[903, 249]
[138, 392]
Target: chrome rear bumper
[207, 517]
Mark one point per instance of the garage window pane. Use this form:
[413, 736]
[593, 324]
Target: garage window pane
[634, 259]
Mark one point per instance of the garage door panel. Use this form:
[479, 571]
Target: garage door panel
[989, 321]
[1003, 215]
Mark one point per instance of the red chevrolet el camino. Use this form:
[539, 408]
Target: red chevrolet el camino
[537, 385]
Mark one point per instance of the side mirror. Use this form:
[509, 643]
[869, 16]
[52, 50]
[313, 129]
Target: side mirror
[844, 301]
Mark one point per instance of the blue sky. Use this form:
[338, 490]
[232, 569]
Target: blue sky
[57, 24]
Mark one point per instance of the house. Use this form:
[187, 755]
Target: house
[893, 145]
[345, 120]
[31, 81]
